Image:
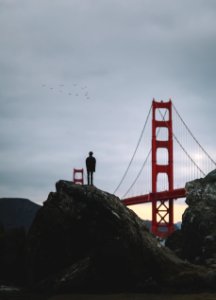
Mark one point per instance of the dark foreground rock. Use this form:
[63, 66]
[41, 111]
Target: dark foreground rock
[196, 241]
[16, 216]
[86, 239]
[12, 256]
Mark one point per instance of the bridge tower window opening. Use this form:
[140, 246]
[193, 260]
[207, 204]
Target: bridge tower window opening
[163, 134]
[162, 114]
[162, 182]
[162, 156]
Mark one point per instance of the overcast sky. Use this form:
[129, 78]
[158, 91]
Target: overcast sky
[80, 75]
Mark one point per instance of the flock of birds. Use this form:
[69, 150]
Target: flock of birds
[77, 91]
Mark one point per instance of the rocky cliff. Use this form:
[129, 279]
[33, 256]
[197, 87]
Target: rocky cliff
[86, 239]
[196, 241]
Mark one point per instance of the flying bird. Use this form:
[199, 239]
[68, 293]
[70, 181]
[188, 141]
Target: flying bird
[79, 90]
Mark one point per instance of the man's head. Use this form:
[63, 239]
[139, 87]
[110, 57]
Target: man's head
[90, 153]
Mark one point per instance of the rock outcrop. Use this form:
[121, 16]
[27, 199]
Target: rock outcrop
[196, 241]
[86, 239]
[12, 256]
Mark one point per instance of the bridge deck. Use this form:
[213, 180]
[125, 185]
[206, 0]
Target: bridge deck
[159, 196]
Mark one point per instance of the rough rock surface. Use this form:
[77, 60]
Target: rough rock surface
[196, 241]
[86, 239]
[12, 256]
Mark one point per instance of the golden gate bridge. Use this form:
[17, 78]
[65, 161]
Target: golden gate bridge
[156, 173]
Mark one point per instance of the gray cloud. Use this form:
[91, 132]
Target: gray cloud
[125, 53]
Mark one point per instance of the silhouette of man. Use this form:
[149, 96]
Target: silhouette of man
[90, 166]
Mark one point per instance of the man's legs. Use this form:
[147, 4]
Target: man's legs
[91, 179]
[88, 176]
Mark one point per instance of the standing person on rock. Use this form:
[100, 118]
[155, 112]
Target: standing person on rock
[90, 166]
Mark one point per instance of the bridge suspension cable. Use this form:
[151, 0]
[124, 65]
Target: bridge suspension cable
[132, 158]
[185, 151]
[188, 155]
[138, 175]
[144, 163]
[188, 129]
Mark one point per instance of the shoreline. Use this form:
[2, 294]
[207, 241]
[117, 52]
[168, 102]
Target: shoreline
[25, 295]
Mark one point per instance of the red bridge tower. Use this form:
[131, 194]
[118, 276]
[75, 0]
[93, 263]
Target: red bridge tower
[162, 201]
[162, 210]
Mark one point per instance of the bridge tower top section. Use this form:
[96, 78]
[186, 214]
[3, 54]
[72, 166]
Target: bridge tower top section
[156, 144]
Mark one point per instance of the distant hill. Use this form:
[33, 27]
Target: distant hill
[178, 225]
[17, 212]
[148, 224]
[20, 212]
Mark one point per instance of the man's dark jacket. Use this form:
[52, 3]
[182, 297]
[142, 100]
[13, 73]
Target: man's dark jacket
[90, 164]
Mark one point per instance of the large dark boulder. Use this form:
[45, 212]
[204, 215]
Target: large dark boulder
[1, 229]
[196, 241]
[84, 238]
[12, 256]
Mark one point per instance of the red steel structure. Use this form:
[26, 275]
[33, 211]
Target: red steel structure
[162, 210]
[162, 202]
[80, 179]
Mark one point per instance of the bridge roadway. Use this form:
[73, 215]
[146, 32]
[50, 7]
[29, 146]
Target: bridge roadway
[159, 196]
